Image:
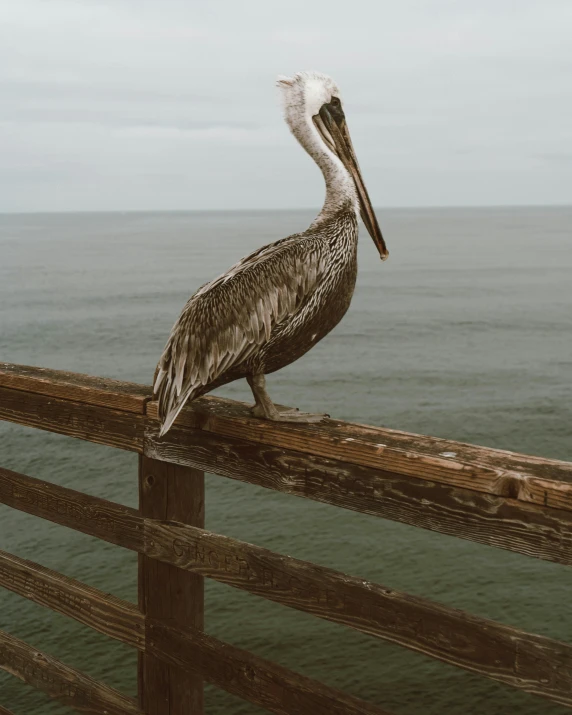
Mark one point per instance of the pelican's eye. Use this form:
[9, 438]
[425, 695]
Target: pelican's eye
[335, 108]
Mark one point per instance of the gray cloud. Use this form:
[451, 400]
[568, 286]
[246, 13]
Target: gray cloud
[133, 104]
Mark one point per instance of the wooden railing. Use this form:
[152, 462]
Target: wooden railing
[497, 498]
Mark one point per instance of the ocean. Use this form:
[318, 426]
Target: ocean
[465, 333]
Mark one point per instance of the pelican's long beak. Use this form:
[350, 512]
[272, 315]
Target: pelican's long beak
[331, 123]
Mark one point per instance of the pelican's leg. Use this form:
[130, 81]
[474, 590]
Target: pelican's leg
[266, 409]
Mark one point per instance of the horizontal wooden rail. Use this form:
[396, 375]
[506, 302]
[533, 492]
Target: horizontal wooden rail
[93, 423]
[61, 682]
[533, 479]
[220, 436]
[115, 394]
[102, 612]
[485, 518]
[111, 522]
[259, 681]
[530, 662]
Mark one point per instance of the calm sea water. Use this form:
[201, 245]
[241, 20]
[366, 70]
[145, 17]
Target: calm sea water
[465, 333]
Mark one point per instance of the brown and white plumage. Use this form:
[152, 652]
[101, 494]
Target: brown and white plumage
[275, 304]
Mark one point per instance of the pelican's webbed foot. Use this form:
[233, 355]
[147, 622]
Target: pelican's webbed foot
[288, 415]
[267, 410]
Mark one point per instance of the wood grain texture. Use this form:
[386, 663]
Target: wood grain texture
[104, 613]
[532, 663]
[259, 681]
[534, 479]
[61, 682]
[74, 419]
[111, 522]
[485, 518]
[526, 661]
[126, 396]
[3, 711]
[168, 593]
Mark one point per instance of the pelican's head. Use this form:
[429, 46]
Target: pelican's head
[314, 112]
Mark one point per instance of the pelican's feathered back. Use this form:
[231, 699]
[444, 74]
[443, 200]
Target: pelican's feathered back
[227, 320]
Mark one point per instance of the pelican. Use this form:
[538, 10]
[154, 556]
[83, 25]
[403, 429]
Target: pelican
[275, 304]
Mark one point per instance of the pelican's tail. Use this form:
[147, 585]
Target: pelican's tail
[170, 417]
[170, 400]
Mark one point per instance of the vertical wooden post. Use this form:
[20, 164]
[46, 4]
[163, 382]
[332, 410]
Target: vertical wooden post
[167, 491]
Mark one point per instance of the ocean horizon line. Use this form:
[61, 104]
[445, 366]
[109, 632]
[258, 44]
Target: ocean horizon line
[444, 207]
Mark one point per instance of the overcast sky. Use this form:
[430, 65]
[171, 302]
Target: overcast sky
[161, 104]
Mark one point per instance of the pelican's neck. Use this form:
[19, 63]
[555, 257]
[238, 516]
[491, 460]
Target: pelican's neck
[340, 188]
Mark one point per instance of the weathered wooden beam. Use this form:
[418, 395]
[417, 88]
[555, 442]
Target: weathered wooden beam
[259, 681]
[101, 611]
[534, 479]
[111, 522]
[61, 682]
[502, 522]
[168, 593]
[541, 481]
[115, 394]
[540, 531]
[492, 471]
[101, 425]
[532, 663]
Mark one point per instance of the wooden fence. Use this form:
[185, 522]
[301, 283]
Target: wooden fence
[493, 497]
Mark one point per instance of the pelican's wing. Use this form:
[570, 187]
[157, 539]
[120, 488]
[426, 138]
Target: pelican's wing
[226, 321]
